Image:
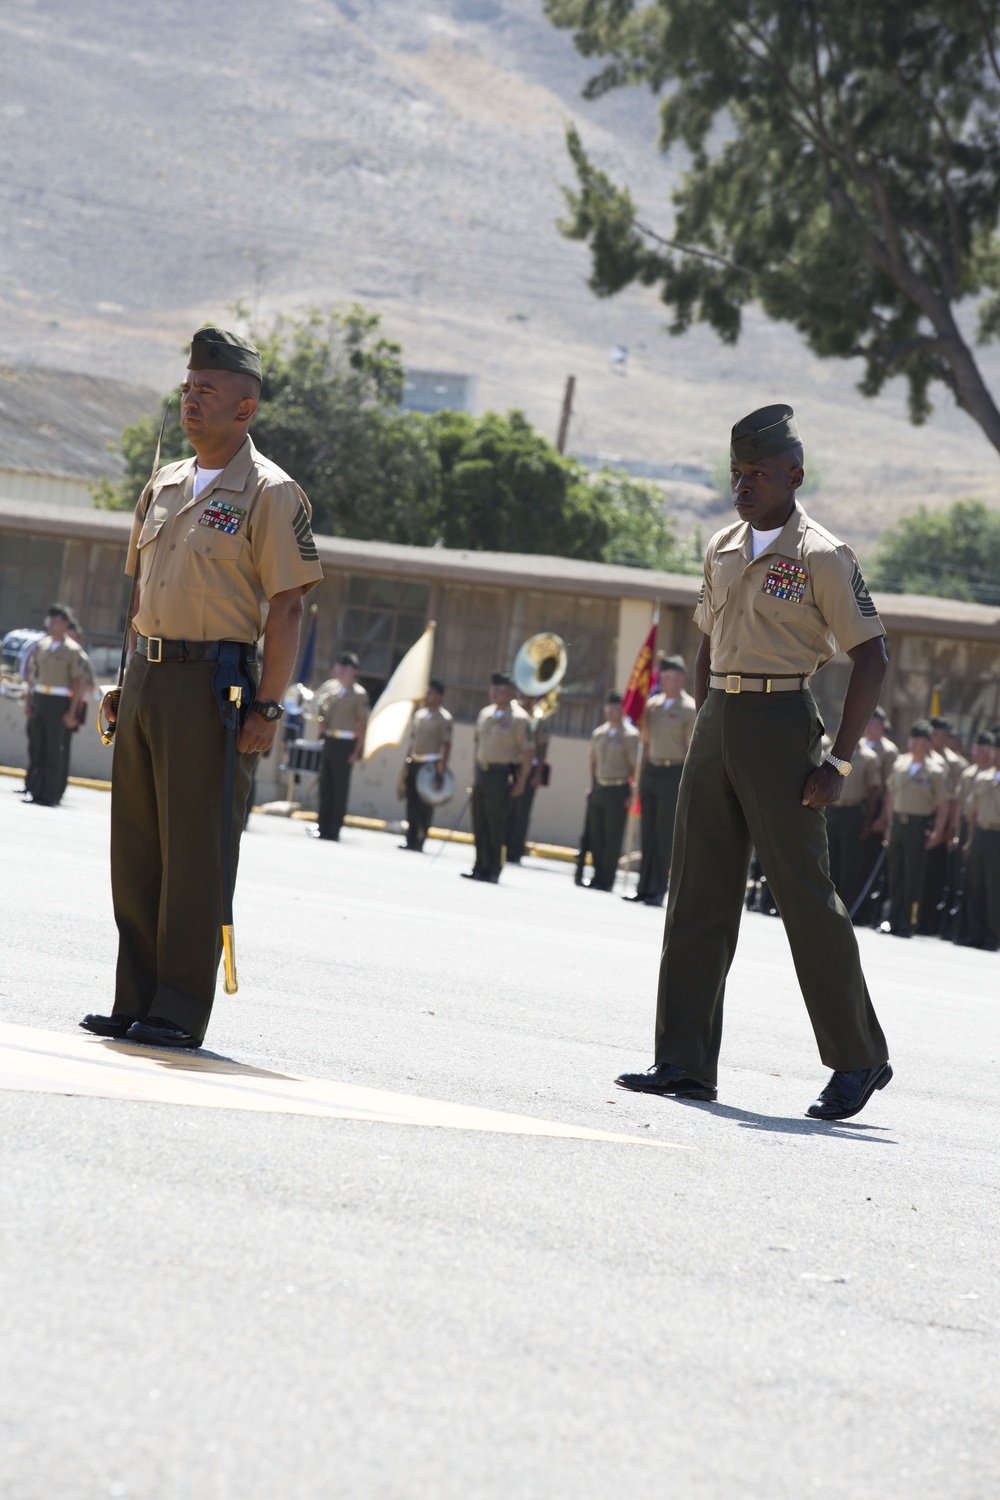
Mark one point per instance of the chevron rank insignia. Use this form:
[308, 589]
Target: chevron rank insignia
[865, 602]
[303, 535]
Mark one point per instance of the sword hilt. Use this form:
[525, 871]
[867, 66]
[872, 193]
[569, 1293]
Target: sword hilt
[229, 955]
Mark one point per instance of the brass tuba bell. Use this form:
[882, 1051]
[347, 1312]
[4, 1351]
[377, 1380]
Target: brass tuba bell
[539, 668]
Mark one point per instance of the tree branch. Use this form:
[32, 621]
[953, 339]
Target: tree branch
[710, 255]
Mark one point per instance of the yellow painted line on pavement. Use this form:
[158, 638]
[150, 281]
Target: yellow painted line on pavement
[91, 781]
[52, 1062]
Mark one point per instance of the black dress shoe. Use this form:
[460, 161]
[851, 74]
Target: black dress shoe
[641, 899]
[107, 1025]
[847, 1093]
[654, 900]
[664, 1078]
[156, 1032]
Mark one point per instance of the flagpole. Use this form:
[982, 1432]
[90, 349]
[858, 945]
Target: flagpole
[634, 798]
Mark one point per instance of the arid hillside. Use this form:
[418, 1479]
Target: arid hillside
[160, 161]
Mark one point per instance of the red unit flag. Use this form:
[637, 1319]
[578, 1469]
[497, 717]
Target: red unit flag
[640, 682]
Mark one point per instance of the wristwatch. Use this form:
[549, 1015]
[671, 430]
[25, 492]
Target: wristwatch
[843, 766]
[268, 709]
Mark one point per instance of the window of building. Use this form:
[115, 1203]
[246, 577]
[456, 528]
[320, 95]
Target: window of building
[589, 628]
[31, 569]
[382, 618]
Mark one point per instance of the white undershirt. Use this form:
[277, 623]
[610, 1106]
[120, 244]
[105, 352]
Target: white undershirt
[762, 539]
[203, 478]
[669, 702]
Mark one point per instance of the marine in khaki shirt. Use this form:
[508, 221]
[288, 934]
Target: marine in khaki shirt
[503, 734]
[780, 596]
[59, 664]
[918, 788]
[431, 733]
[342, 709]
[502, 748]
[667, 727]
[56, 674]
[222, 548]
[210, 561]
[785, 612]
[614, 753]
[984, 801]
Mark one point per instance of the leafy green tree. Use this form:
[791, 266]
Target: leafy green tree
[953, 553]
[504, 488]
[843, 173]
[640, 533]
[328, 415]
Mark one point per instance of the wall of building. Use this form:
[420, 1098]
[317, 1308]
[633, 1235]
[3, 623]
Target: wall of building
[45, 489]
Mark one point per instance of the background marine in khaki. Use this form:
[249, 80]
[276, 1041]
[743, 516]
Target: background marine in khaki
[918, 804]
[503, 744]
[58, 678]
[219, 542]
[667, 726]
[614, 755]
[342, 707]
[429, 744]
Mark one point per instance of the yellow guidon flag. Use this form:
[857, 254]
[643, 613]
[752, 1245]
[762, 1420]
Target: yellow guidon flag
[390, 718]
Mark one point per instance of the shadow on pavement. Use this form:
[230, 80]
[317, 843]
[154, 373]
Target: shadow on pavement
[846, 1130]
[193, 1061]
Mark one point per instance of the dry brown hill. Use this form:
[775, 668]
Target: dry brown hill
[160, 160]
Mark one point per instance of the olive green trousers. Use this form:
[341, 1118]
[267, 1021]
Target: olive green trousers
[742, 787]
[166, 841]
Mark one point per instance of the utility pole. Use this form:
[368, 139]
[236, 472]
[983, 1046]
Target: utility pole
[567, 412]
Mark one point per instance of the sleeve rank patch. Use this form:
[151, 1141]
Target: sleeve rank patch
[786, 580]
[864, 600]
[701, 593]
[304, 536]
[227, 518]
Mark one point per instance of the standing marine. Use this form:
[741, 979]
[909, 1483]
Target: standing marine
[780, 596]
[219, 541]
[667, 726]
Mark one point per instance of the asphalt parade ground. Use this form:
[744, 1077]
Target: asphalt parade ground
[394, 1235]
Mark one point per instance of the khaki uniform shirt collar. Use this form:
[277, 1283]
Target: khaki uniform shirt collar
[788, 541]
[233, 477]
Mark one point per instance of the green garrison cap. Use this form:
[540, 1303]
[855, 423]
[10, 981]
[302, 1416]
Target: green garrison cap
[672, 664]
[770, 430]
[215, 349]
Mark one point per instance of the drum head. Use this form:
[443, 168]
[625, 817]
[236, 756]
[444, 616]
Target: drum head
[428, 789]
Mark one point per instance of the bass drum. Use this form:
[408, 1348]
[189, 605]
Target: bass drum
[428, 789]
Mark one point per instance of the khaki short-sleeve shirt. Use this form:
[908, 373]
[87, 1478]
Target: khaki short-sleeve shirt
[616, 751]
[502, 734]
[57, 666]
[866, 775]
[432, 730]
[984, 799]
[341, 708]
[887, 754]
[923, 792]
[669, 727]
[209, 565]
[786, 612]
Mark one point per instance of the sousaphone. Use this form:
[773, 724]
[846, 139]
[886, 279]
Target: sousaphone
[539, 668]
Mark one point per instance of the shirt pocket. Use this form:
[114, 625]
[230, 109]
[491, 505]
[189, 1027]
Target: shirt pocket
[212, 561]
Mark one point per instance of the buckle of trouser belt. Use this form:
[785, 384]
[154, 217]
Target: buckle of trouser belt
[734, 682]
[157, 641]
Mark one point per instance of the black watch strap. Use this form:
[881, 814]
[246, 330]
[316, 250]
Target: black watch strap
[267, 708]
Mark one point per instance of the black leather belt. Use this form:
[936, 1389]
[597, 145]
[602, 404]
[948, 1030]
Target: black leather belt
[155, 649]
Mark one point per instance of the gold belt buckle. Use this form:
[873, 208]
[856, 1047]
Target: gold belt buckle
[731, 679]
[157, 641]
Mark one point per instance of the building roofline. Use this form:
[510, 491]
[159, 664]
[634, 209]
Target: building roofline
[908, 613]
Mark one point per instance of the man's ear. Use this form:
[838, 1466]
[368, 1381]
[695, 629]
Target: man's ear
[797, 476]
[245, 410]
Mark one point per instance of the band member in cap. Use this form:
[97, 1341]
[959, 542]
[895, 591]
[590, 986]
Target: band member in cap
[981, 911]
[57, 681]
[780, 594]
[667, 727]
[614, 753]
[918, 808]
[519, 817]
[342, 707]
[503, 763]
[429, 744]
[215, 539]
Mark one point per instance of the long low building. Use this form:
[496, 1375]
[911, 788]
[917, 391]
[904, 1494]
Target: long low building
[376, 599]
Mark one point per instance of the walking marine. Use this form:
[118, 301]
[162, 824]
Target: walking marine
[780, 595]
[217, 540]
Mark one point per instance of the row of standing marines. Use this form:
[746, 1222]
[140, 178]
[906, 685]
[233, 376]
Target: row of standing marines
[223, 541]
